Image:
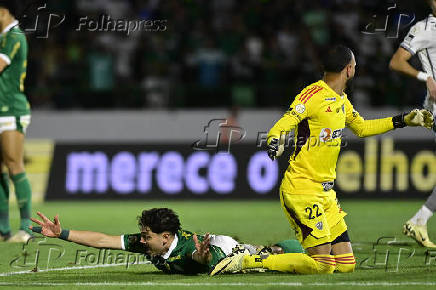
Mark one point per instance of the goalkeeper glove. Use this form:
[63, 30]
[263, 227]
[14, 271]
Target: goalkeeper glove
[428, 119]
[414, 118]
[273, 148]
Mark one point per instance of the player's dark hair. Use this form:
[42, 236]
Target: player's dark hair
[160, 220]
[11, 5]
[337, 58]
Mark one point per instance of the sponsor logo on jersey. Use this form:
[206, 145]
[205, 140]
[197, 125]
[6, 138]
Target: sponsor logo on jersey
[330, 99]
[327, 134]
[300, 108]
[328, 110]
[337, 133]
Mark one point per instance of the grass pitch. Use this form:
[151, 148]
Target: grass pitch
[385, 258]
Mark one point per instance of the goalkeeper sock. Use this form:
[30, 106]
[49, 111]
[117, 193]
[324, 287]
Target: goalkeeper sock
[292, 263]
[24, 199]
[5, 227]
[345, 263]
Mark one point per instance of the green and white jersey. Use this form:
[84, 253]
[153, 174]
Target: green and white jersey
[178, 260]
[13, 50]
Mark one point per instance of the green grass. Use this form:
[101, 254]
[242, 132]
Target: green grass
[249, 221]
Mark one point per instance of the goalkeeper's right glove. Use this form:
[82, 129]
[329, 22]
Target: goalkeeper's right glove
[273, 148]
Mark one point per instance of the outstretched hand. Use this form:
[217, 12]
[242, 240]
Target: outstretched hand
[416, 117]
[202, 253]
[51, 229]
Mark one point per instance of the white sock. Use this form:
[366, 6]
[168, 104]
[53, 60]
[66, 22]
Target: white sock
[422, 216]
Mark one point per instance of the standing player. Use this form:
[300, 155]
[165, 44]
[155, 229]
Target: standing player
[319, 114]
[14, 119]
[421, 40]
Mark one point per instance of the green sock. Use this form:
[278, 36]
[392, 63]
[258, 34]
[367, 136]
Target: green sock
[290, 246]
[24, 199]
[5, 228]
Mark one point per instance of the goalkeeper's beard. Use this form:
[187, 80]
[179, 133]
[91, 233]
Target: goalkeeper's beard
[349, 86]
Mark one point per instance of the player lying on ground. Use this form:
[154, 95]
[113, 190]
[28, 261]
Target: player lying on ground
[166, 245]
[421, 40]
[319, 114]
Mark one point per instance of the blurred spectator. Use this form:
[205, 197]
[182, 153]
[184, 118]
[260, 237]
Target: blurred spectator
[218, 53]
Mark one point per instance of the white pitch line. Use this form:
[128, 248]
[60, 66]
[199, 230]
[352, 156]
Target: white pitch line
[70, 268]
[235, 284]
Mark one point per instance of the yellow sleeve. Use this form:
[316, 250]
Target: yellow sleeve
[365, 128]
[283, 126]
[298, 111]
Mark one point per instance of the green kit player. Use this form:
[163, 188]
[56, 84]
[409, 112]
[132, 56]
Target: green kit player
[166, 245]
[14, 119]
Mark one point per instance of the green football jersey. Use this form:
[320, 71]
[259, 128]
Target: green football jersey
[13, 50]
[180, 260]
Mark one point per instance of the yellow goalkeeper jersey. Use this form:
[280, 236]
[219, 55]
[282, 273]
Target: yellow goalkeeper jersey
[319, 115]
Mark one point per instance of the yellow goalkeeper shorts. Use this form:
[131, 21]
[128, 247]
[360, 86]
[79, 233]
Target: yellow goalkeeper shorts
[316, 218]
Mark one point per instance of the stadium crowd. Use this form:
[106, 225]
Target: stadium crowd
[218, 53]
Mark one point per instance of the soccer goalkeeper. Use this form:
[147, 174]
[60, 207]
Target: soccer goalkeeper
[170, 249]
[319, 114]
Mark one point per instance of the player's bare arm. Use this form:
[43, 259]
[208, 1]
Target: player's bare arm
[400, 63]
[3, 65]
[431, 87]
[202, 254]
[53, 229]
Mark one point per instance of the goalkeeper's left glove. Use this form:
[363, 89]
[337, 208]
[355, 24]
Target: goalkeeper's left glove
[428, 119]
[414, 118]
